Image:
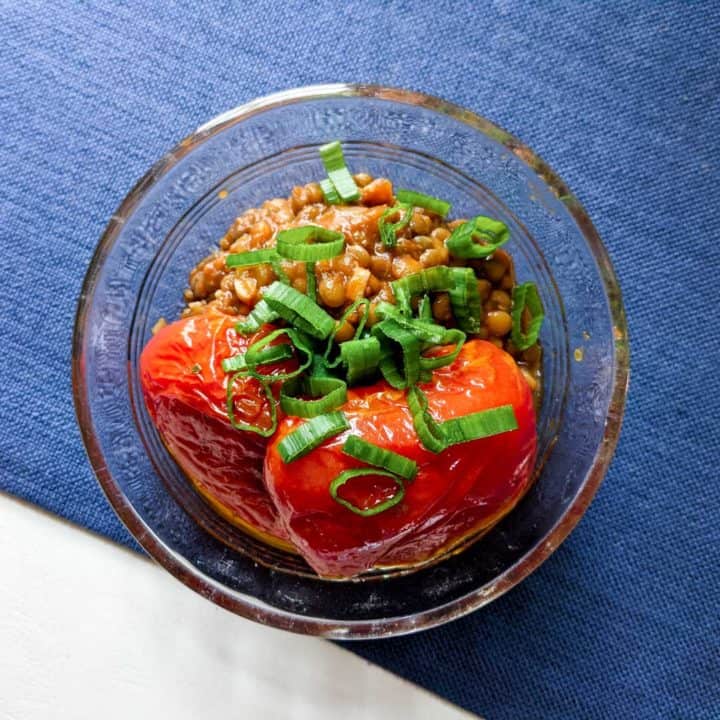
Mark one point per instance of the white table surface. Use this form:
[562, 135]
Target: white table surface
[89, 629]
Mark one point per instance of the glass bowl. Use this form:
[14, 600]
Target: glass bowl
[175, 216]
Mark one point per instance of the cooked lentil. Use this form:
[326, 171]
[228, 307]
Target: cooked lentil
[365, 269]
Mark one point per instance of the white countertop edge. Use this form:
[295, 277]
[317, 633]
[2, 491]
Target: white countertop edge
[92, 630]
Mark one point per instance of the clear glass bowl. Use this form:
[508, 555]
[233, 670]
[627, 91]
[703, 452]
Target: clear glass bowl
[177, 213]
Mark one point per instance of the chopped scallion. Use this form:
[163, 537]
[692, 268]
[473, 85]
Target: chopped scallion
[388, 230]
[360, 357]
[477, 238]
[254, 356]
[433, 279]
[249, 427]
[363, 303]
[425, 309]
[326, 394]
[339, 175]
[372, 454]
[311, 434]
[479, 425]
[526, 296]
[465, 299]
[428, 202]
[427, 429]
[261, 314]
[252, 257]
[347, 475]
[267, 356]
[452, 337]
[391, 333]
[309, 243]
[310, 281]
[299, 310]
[329, 192]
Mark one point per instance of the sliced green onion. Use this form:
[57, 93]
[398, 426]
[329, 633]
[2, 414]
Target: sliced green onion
[254, 355]
[299, 310]
[309, 243]
[491, 234]
[248, 427]
[465, 299]
[416, 199]
[425, 309]
[339, 175]
[426, 427]
[261, 314]
[280, 274]
[328, 393]
[346, 475]
[319, 367]
[329, 191]
[452, 337]
[425, 376]
[360, 357]
[434, 279]
[310, 281]
[390, 333]
[526, 296]
[311, 434]
[479, 425]
[380, 457]
[267, 356]
[388, 230]
[429, 333]
[252, 257]
[360, 302]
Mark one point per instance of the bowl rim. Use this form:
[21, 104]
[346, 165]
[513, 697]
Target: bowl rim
[248, 606]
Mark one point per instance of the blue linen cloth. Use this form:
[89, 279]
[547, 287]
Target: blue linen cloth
[623, 99]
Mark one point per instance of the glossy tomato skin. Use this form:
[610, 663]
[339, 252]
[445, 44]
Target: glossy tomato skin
[184, 387]
[460, 491]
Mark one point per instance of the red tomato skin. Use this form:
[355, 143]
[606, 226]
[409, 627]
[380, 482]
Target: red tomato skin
[458, 492]
[184, 387]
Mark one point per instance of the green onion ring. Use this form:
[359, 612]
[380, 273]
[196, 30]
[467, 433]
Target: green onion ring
[328, 393]
[360, 357]
[462, 243]
[309, 243]
[465, 299]
[338, 174]
[346, 475]
[252, 257]
[476, 426]
[261, 314]
[452, 337]
[388, 230]
[526, 296]
[428, 202]
[372, 454]
[311, 434]
[267, 356]
[254, 358]
[390, 332]
[299, 310]
[230, 406]
[427, 429]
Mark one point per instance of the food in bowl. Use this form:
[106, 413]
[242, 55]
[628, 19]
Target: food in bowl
[354, 377]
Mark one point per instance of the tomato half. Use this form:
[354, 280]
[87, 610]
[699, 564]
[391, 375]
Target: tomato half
[185, 392]
[458, 492]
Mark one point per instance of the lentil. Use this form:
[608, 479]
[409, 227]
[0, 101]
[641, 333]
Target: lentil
[364, 269]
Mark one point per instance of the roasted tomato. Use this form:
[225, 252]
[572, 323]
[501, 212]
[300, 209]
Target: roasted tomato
[459, 492]
[185, 392]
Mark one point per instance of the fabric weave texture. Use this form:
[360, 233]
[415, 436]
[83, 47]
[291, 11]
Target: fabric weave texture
[622, 99]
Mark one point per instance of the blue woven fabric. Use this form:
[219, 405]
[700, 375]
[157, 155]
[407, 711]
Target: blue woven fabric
[622, 99]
